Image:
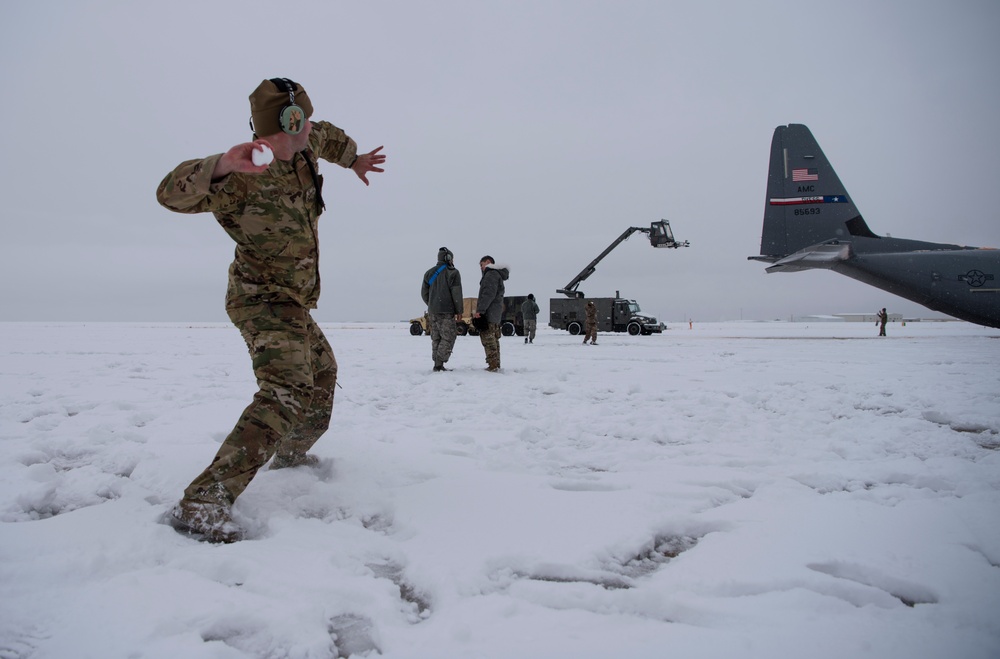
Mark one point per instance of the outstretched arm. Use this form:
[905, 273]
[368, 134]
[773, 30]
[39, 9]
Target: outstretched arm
[368, 162]
[196, 186]
[239, 159]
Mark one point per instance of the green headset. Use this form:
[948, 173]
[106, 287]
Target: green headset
[291, 117]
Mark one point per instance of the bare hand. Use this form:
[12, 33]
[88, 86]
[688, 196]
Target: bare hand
[239, 159]
[368, 162]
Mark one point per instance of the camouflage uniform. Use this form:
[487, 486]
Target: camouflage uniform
[441, 290]
[490, 338]
[590, 325]
[529, 316]
[444, 331]
[490, 304]
[273, 283]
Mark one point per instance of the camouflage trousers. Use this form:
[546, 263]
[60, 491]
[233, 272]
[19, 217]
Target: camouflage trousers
[490, 338]
[590, 332]
[443, 333]
[296, 374]
[529, 329]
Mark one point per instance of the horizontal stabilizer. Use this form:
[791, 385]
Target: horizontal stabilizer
[817, 256]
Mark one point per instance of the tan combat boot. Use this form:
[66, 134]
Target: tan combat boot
[210, 522]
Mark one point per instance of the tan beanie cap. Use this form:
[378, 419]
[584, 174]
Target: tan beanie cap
[266, 102]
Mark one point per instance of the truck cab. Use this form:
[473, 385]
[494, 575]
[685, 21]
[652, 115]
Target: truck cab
[628, 317]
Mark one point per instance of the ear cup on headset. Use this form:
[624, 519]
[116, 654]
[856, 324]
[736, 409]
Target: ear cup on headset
[291, 116]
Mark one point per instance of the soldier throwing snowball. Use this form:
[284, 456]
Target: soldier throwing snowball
[271, 210]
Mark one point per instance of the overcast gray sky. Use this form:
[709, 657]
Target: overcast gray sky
[533, 130]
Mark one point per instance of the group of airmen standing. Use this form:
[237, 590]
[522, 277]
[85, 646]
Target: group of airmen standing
[441, 290]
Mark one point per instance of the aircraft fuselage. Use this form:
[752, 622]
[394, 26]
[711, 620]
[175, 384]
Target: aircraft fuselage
[961, 283]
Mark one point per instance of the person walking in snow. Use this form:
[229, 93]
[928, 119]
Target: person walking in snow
[441, 290]
[489, 307]
[271, 210]
[590, 324]
[883, 318]
[529, 316]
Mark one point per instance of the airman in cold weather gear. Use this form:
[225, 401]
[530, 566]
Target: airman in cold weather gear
[441, 291]
[529, 315]
[883, 318]
[490, 306]
[271, 211]
[590, 324]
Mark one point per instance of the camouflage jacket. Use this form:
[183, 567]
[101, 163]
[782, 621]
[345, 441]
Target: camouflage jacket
[271, 216]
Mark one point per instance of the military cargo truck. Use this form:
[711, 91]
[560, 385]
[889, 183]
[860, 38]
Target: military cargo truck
[421, 325]
[614, 314]
[511, 322]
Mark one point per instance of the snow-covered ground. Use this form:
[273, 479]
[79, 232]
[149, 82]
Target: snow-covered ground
[732, 490]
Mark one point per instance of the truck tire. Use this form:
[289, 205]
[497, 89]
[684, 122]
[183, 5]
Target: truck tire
[416, 329]
[574, 328]
[461, 329]
[635, 329]
[507, 329]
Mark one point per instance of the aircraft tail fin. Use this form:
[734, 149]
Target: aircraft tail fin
[806, 203]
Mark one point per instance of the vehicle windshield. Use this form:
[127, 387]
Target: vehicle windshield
[633, 306]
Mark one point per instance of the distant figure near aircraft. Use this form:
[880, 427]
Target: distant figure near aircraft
[883, 318]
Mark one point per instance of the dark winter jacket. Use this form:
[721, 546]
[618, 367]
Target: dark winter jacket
[491, 291]
[444, 294]
[529, 310]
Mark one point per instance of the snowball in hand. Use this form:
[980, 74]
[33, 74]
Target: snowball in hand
[261, 155]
